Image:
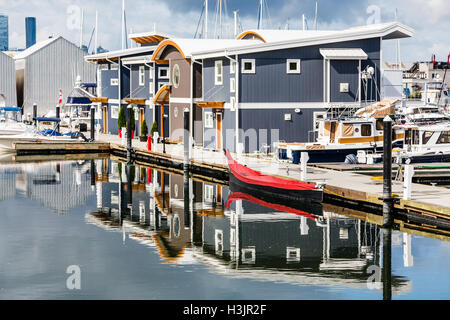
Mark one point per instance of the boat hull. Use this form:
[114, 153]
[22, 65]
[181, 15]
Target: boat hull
[276, 194]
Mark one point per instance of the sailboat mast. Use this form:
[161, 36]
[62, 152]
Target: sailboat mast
[81, 28]
[123, 24]
[206, 19]
[96, 33]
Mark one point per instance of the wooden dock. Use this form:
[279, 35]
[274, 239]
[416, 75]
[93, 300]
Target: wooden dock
[342, 185]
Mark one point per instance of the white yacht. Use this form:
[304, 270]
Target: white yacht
[425, 143]
[11, 121]
[339, 138]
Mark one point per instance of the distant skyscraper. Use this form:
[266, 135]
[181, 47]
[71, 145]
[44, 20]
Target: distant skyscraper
[30, 28]
[4, 34]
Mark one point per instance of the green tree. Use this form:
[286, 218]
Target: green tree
[121, 122]
[144, 129]
[154, 129]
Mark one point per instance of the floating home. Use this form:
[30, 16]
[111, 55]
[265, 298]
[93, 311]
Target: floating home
[129, 78]
[8, 95]
[47, 67]
[270, 85]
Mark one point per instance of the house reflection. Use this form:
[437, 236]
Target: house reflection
[236, 234]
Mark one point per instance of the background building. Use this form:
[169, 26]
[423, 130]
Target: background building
[46, 68]
[8, 81]
[30, 29]
[4, 33]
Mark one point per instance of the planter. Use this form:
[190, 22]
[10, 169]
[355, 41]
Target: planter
[143, 138]
[122, 134]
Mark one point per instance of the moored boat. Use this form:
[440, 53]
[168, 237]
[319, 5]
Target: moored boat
[253, 181]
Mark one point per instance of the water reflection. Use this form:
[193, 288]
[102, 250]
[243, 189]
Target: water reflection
[238, 234]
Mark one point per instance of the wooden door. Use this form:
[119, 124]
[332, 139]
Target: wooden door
[141, 119]
[219, 131]
[105, 119]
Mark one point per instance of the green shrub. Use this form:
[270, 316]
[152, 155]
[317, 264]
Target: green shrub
[144, 129]
[121, 122]
[154, 129]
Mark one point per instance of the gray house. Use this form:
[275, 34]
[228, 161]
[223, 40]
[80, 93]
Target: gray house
[8, 96]
[46, 68]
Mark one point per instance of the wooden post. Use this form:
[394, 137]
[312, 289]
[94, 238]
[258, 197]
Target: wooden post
[387, 264]
[92, 123]
[35, 114]
[186, 142]
[129, 141]
[387, 173]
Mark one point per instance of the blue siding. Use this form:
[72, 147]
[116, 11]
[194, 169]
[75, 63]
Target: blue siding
[344, 71]
[125, 82]
[263, 124]
[211, 91]
[138, 91]
[111, 92]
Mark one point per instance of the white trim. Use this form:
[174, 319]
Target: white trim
[141, 76]
[218, 78]
[163, 77]
[232, 85]
[329, 82]
[294, 105]
[209, 125]
[233, 65]
[179, 100]
[298, 69]
[253, 63]
[344, 54]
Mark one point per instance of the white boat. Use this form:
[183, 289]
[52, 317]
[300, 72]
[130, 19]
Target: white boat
[11, 121]
[425, 143]
[339, 138]
[34, 135]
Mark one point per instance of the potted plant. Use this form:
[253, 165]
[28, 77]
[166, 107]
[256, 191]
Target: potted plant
[153, 129]
[121, 122]
[144, 131]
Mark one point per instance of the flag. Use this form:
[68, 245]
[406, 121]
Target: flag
[60, 97]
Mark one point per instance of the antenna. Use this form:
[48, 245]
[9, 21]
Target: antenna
[206, 19]
[81, 28]
[316, 16]
[123, 25]
[96, 33]
[398, 58]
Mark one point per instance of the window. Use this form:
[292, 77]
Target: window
[152, 91]
[176, 76]
[319, 117]
[219, 242]
[114, 112]
[293, 66]
[136, 113]
[218, 73]
[444, 138]
[233, 67]
[292, 254]
[141, 75]
[380, 125]
[164, 73]
[366, 130]
[248, 255]
[114, 82]
[343, 233]
[248, 65]
[102, 67]
[209, 120]
[427, 136]
[114, 67]
[233, 85]
[160, 85]
[209, 193]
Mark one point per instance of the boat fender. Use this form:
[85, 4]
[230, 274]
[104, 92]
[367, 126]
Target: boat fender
[351, 159]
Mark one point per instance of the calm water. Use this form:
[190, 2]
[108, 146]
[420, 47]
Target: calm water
[134, 235]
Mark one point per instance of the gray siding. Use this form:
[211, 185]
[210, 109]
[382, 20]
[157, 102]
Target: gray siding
[344, 71]
[138, 91]
[8, 80]
[54, 67]
[108, 91]
[211, 91]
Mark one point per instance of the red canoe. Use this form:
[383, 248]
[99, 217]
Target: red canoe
[266, 184]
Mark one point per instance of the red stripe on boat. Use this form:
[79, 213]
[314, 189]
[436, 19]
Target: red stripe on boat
[253, 177]
[243, 196]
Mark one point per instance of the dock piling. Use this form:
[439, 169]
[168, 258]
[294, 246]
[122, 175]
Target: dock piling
[93, 123]
[387, 172]
[35, 113]
[304, 165]
[129, 141]
[186, 141]
[407, 184]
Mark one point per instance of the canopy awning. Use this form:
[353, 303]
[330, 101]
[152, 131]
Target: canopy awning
[43, 119]
[135, 100]
[344, 54]
[100, 100]
[10, 109]
[211, 104]
[163, 95]
[78, 96]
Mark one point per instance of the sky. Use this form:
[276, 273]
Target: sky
[429, 18]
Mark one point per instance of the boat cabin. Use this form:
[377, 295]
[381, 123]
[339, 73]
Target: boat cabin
[350, 131]
[431, 138]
